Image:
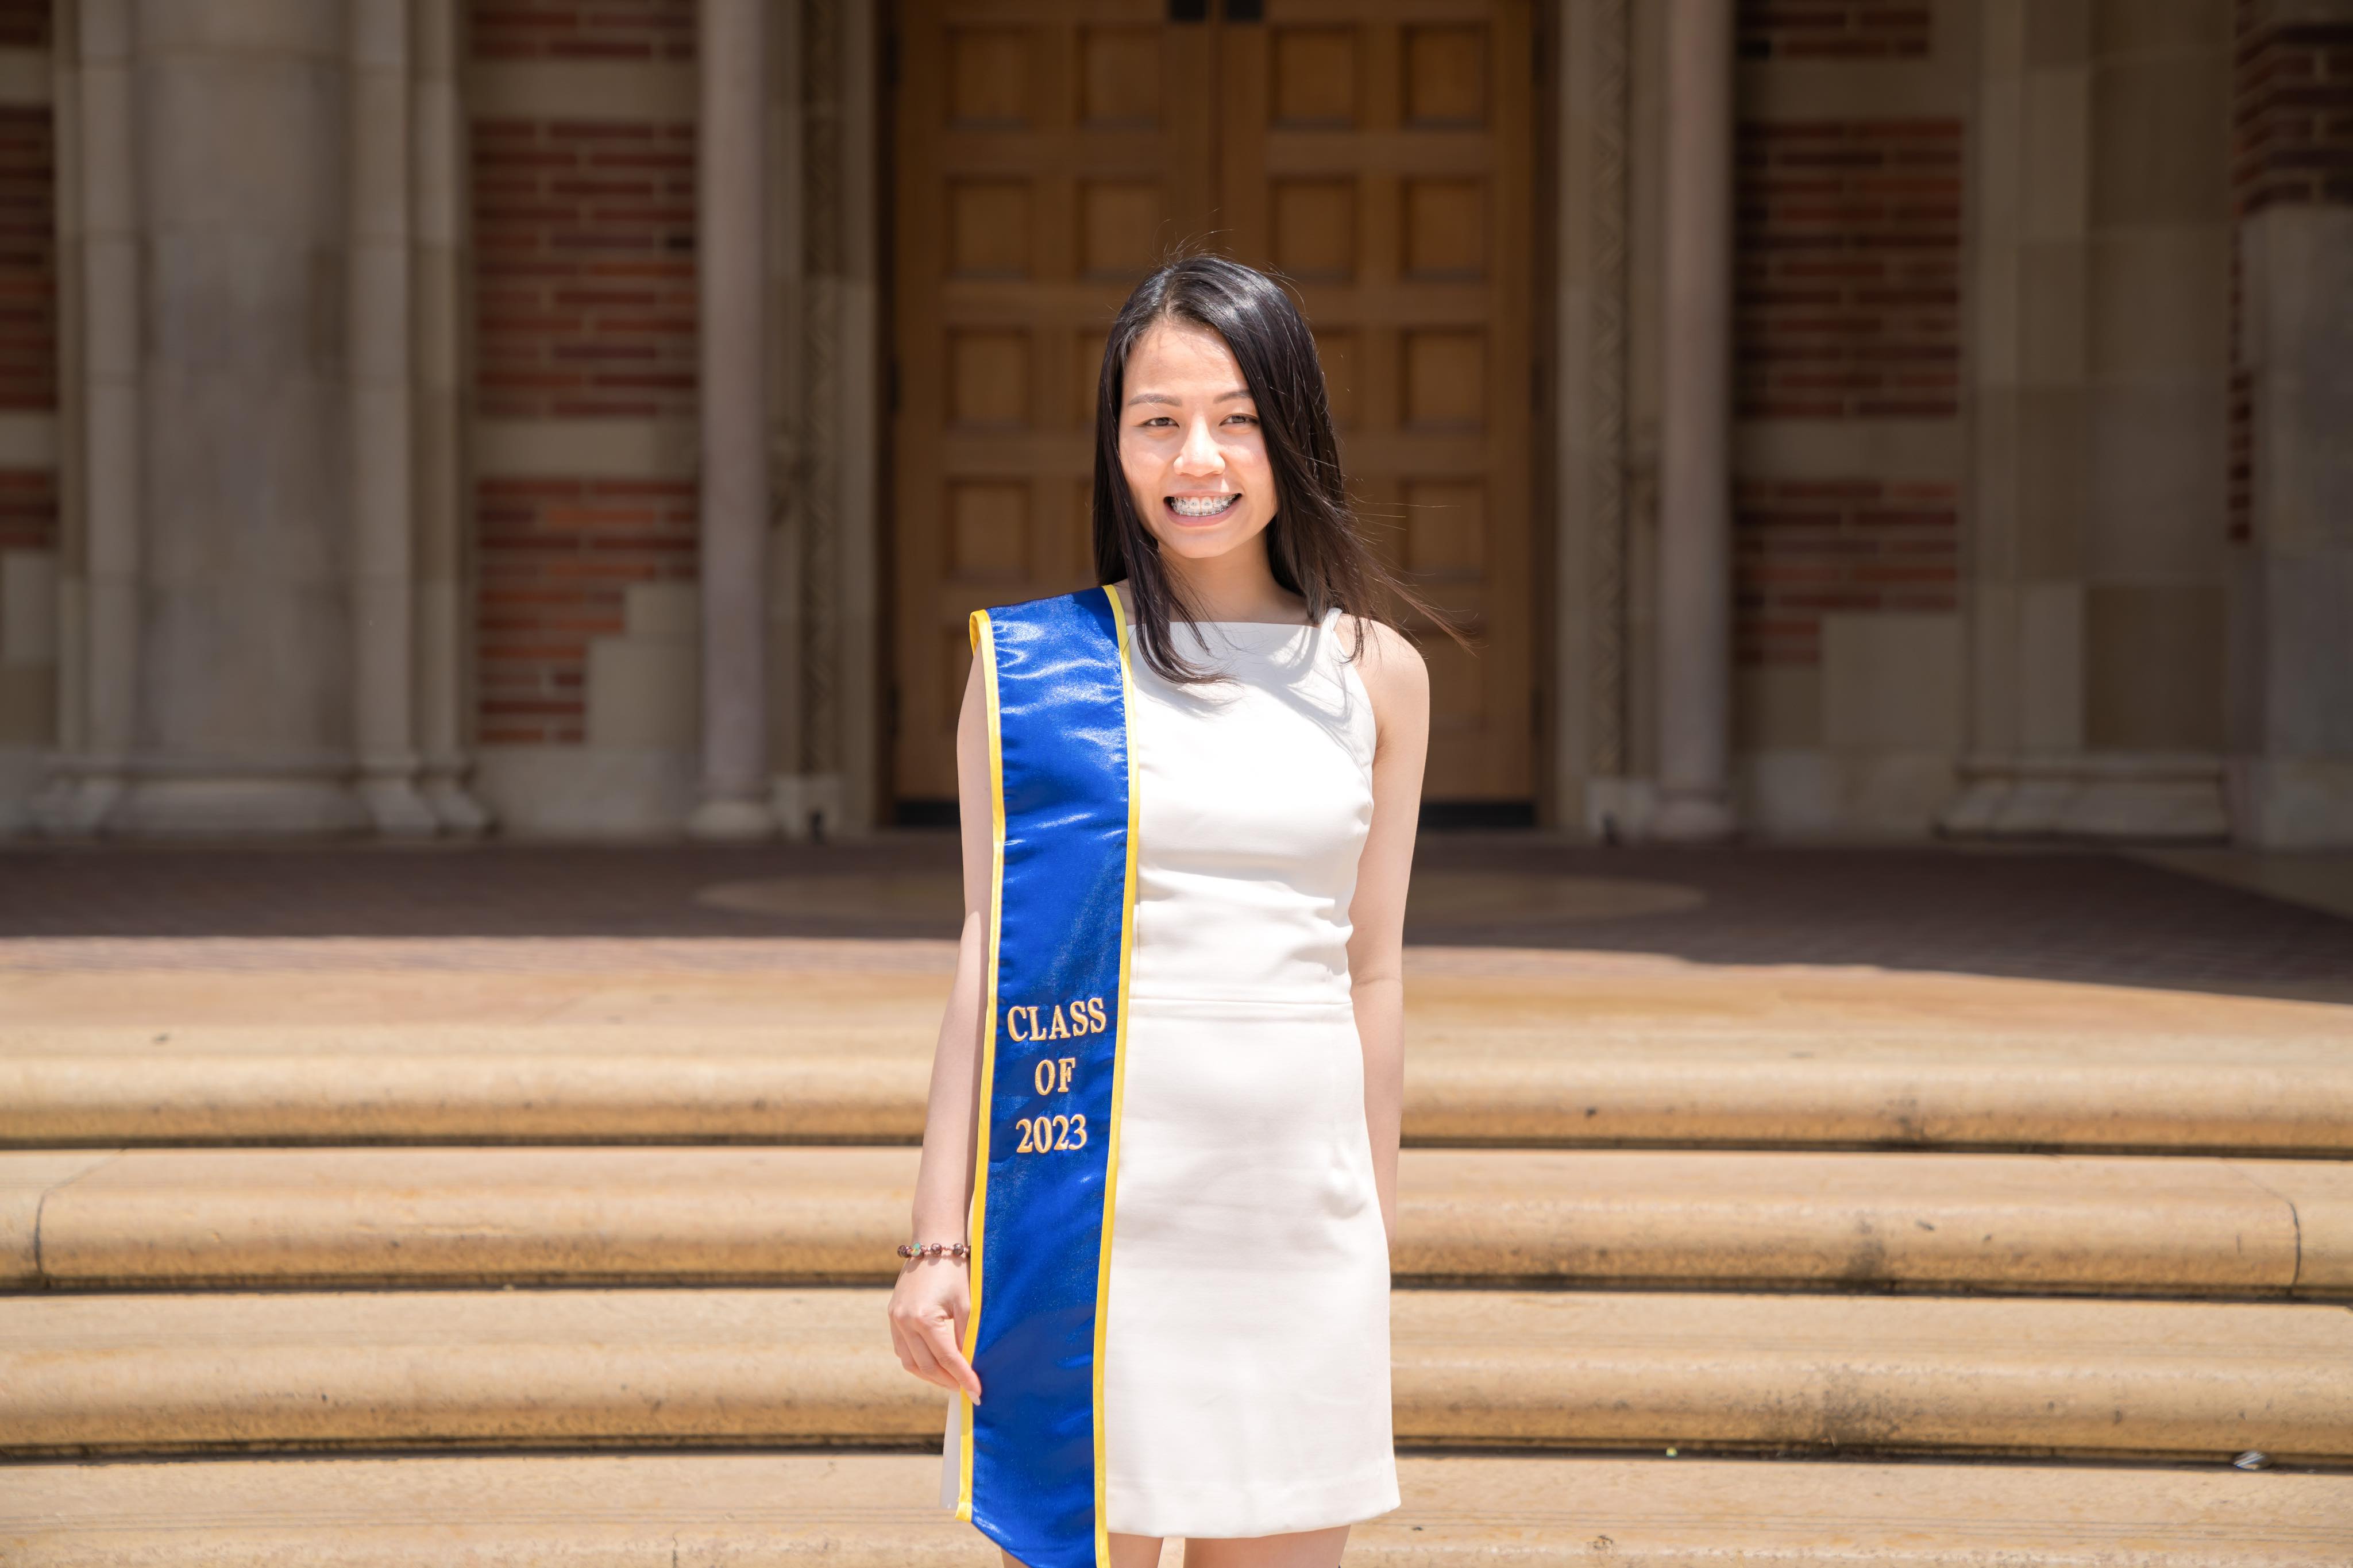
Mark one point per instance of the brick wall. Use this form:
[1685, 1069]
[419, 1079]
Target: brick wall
[584, 235]
[28, 282]
[555, 556]
[2292, 114]
[28, 299]
[1849, 240]
[2292, 144]
[24, 23]
[2239, 500]
[584, 309]
[28, 509]
[583, 29]
[1833, 29]
[1806, 547]
[28, 356]
[1848, 265]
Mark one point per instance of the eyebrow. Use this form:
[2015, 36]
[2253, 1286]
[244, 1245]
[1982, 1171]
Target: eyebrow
[1177, 402]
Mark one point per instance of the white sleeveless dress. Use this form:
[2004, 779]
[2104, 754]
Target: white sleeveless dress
[1246, 1359]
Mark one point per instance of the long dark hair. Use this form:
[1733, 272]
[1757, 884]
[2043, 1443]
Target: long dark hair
[1314, 542]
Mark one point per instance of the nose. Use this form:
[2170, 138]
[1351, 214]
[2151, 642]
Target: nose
[1199, 455]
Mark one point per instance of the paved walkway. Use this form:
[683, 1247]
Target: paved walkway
[1490, 901]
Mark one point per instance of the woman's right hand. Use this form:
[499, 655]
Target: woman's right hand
[933, 1300]
[928, 1308]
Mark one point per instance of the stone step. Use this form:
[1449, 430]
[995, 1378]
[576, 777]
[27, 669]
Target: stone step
[656, 1511]
[179, 1218]
[1537, 1076]
[122, 1373]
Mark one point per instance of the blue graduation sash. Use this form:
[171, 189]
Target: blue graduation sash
[1062, 822]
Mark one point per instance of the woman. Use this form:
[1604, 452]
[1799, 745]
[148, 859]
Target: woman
[1276, 730]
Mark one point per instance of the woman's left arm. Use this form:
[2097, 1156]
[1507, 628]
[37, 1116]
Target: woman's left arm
[1398, 684]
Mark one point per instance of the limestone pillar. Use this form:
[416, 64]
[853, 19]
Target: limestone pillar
[1591, 782]
[439, 284]
[377, 314]
[788, 400]
[98, 590]
[245, 648]
[826, 782]
[858, 362]
[731, 222]
[1694, 497]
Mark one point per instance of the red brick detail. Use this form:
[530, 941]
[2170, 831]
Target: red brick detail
[1849, 237]
[585, 276]
[28, 509]
[1806, 547]
[1834, 29]
[584, 309]
[2239, 482]
[2293, 111]
[28, 269]
[24, 23]
[583, 29]
[555, 556]
[28, 288]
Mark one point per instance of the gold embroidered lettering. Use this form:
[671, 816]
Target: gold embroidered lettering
[1047, 1134]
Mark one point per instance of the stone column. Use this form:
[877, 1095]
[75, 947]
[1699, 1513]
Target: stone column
[828, 787]
[788, 396]
[733, 413]
[376, 306]
[244, 668]
[1694, 502]
[98, 590]
[437, 183]
[860, 362]
[1590, 785]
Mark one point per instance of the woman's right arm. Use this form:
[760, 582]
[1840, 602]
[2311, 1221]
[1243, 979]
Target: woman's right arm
[933, 1295]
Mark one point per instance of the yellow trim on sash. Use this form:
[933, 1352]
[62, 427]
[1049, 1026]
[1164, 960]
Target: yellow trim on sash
[984, 647]
[1118, 1076]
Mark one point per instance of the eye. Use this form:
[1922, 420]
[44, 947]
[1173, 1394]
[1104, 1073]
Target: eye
[1241, 418]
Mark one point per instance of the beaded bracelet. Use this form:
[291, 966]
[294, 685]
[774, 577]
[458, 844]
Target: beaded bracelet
[956, 1249]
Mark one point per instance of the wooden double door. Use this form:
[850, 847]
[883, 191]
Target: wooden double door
[1376, 153]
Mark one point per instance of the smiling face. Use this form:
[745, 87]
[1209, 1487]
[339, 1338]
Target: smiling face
[1190, 444]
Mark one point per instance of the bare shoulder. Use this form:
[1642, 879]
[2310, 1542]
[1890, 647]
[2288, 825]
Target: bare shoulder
[1391, 667]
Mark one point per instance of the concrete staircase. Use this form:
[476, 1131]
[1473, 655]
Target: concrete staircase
[1920, 1294]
